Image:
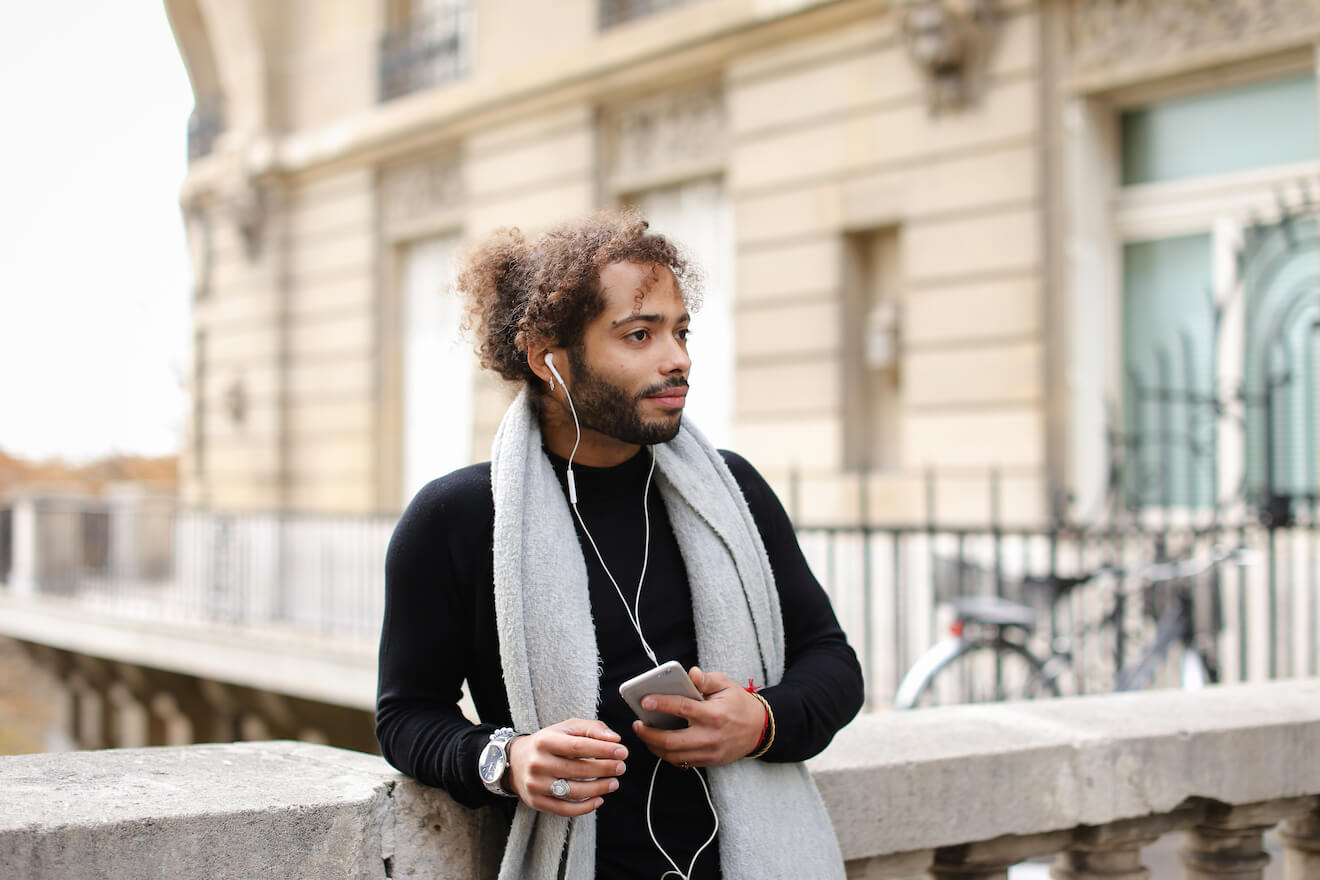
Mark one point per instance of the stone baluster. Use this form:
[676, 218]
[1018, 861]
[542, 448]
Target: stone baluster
[1102, 854]
[1113, 851]
[1227, 844]
[991, 859]
[1301, 840]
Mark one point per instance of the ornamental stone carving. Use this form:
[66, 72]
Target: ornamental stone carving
[1110, 35]
[421, 189]
[664, 134]
[949, 41]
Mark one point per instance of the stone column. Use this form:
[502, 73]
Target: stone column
[1117, 860]
[1301, 839]
[1227, 843]
[1225, 852]
[943, 869]
[991, 859]
[1113, 851]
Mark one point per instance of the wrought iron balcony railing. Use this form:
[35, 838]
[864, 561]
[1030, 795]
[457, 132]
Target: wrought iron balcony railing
[617, 12]
[428, 49]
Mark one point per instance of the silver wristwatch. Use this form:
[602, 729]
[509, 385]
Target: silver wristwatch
[494, 761]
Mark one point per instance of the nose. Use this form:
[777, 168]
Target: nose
[676, 361]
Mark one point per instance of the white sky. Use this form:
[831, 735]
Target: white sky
[94, 276]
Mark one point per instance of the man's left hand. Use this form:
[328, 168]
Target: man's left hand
[721, 729]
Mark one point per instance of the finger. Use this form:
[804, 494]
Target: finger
[553, 768]
[663, 743]
[593, 729]
[580, 790]
[674, 705]
[577, 745]
[714, 682]
[697, 677]
[549, 804]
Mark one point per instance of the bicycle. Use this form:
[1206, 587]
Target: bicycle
[987, 656]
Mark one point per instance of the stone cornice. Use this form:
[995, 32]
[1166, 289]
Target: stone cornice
[689, 43]
[1113, 43]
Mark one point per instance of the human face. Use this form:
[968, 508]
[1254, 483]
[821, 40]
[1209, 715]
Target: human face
[630, 373]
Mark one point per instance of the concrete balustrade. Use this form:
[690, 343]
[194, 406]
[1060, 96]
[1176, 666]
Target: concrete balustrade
[961, 793]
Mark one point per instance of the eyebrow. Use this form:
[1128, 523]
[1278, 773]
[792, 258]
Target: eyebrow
[649, 318]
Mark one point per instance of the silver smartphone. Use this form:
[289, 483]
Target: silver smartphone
[668, 678]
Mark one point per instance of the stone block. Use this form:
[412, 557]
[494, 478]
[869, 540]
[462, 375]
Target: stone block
[791, 329]
[968, 247]
[992, 374]
[963, 311]
[999, 436]
[790, 270]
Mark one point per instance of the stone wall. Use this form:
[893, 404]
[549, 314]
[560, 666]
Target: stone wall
[963, 791]
[813, 119]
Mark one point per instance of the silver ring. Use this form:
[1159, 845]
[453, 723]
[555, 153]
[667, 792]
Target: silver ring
[559, 788]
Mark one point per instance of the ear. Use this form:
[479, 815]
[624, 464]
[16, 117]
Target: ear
[536, 362]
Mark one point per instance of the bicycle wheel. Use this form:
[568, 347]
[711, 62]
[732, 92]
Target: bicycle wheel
[981, 671]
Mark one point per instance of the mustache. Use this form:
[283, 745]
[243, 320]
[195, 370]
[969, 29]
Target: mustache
[675, 382]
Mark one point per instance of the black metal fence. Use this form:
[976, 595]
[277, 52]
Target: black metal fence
[890, 588]
[323, 577]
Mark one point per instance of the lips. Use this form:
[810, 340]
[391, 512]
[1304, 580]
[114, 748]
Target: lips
[673, 398]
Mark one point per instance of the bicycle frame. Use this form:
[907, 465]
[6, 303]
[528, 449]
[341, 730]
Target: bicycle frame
[991, 622]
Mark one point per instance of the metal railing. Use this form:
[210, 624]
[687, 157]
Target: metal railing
[323, 576]
[429, 48]
[617, 12]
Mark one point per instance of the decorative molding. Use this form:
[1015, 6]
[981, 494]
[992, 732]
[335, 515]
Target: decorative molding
[664, 135]
[1112, 35]
[949, 42]
[247, 208]
[415, 191]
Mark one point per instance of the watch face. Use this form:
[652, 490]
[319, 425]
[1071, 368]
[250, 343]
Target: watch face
[491, 764]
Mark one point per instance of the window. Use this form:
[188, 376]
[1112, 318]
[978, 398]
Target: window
[696, 214]
[1249, 126]
[872, 290]
[616, 12]
[1193, 172]
[437, 366]
[1168, 361]
[1280, 378]
[425, 44]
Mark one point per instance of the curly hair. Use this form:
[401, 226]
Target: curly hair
[523, 293]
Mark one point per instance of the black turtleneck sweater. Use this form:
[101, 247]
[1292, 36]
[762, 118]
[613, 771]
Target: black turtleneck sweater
[440, 630]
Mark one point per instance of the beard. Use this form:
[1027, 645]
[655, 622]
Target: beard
[611, 410]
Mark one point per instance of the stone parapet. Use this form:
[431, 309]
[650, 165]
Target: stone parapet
[963, 792]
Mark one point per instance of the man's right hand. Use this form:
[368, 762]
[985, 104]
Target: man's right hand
[585, 753]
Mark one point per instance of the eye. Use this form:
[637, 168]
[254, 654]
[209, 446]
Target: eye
[684, 333]
[638, 335]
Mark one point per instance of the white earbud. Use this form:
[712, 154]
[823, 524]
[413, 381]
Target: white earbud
[550, 362]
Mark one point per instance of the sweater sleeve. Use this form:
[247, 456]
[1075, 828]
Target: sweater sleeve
[822, 688]
[425, 645]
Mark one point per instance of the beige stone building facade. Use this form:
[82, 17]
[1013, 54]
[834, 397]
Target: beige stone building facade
[921, 223]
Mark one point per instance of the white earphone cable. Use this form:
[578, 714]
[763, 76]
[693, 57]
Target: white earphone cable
[634, 617]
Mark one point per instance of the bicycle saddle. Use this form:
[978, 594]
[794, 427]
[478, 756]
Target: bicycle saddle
[994, 611]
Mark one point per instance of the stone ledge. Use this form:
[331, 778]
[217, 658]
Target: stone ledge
[899, 786]
[904, 781]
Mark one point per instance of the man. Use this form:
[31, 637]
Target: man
[604, 538]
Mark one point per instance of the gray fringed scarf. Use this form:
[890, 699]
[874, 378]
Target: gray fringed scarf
[772, 820]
